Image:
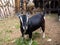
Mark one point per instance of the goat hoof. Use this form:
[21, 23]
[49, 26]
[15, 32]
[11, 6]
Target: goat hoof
[43, 35]
[59, 19]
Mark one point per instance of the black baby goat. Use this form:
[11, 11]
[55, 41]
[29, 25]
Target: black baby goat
[28, 25]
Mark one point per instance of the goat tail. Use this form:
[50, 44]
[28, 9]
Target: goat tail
[44, 14]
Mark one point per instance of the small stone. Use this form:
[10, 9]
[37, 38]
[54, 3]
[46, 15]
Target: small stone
[49, 40]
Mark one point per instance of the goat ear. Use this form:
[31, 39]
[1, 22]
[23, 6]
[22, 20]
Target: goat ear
[19, 14]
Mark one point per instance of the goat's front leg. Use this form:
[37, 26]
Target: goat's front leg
[22, 32]
[22, 39]
[30, 36]
[22, 36]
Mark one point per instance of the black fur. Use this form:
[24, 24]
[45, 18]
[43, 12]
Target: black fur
[34, 23]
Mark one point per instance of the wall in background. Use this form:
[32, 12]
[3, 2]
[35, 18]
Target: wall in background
[7, 8]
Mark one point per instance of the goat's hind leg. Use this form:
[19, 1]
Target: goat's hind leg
[43, 28]
[43, 34]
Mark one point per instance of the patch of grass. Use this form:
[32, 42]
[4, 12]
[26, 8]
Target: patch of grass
[5, 35]
[34, 43]
[20, 42]
[2, 23]
[17, 26]
[9, 31]
[7, 38]
[24, 42]
[1, 32]
[1, 43]
[1, 40]
[46, 37]
[36, 35]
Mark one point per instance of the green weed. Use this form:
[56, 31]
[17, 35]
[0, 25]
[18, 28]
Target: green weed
[24, 42]
[36, 35]
[17, 26]
[8, 31]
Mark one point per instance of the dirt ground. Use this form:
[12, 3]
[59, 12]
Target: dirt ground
[9, 31]
[53, 29]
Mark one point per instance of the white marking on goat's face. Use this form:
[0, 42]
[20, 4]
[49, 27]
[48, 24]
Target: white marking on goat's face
[27, 19]
[21, 19]
[24, 21]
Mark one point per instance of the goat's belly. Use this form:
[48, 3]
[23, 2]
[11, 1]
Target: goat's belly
[32, 28]
[35, 27]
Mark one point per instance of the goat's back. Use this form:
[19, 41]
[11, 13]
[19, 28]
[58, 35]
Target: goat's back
[36, 19]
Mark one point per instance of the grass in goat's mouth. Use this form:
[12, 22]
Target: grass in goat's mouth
[24, 42]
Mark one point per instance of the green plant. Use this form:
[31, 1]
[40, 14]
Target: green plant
[17, 26]
[1, 40]
[18, 42]
[8, 31]
[1, 32]
[24, 42]
[36, 35]
[34, 43]
[7, 38]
